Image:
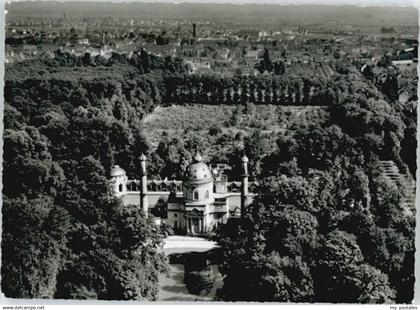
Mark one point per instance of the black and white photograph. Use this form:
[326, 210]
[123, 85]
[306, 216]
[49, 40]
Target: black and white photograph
[209, 152]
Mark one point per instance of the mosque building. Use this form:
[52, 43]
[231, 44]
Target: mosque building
[196, 205]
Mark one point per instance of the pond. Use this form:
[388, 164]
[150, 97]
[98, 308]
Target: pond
[201, 286]
[193, 274]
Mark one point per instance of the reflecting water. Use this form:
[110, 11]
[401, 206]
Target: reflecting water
[192, 277]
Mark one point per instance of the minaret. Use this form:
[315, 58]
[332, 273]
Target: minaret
[143, 186]
[244, 185]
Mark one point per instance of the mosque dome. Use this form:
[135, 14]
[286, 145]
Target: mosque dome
[117, 171]
[198, 171]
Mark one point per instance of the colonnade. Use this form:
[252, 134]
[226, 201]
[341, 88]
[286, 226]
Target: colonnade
[191, 226]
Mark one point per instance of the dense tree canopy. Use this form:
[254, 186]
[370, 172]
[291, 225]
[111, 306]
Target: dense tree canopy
[63, 234]
[326, 213]
[310, 233]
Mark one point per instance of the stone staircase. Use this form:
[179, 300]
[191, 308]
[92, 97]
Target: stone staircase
[391, 171]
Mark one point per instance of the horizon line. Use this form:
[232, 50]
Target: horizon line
[338, 3]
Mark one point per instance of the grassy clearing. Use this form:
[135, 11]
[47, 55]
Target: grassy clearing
[176, 120]
[198, 116]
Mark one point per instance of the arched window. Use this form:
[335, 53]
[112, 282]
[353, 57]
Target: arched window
[195, 195]
[207, 194]
[120, 187]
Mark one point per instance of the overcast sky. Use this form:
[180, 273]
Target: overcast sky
[411, 3]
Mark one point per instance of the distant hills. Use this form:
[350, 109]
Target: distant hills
[243, 13]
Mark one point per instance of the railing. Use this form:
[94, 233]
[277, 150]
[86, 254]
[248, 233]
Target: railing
[170, 185]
